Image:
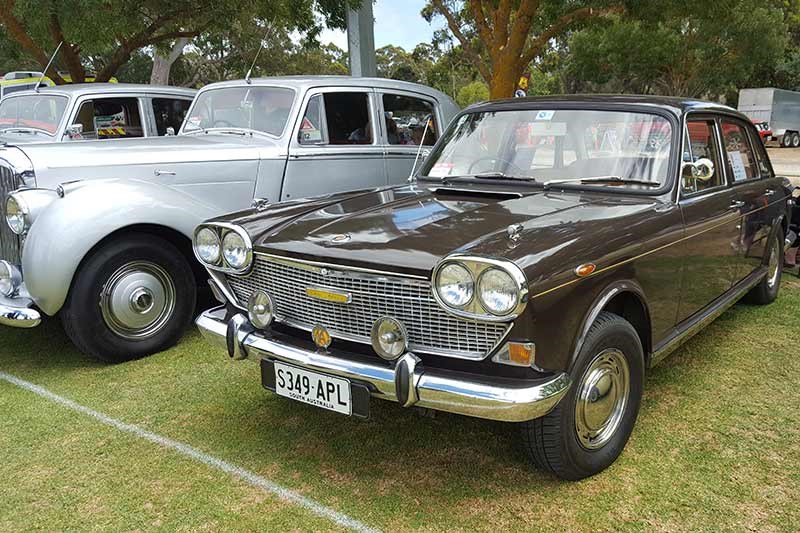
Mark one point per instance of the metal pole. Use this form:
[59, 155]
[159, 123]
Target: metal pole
[361, 40]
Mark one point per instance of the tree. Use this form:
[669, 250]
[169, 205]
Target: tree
[477, 91]
[119, 28]
[503, 37]
[163, 60]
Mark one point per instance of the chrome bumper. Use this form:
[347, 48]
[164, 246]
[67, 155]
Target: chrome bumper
[18, 312]
[408, 382]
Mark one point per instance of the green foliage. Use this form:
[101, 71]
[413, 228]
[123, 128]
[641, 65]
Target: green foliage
[474, 92]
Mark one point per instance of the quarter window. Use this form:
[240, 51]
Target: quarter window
[702, 145]
[406, 118]
[761, 154]
[741, 161]
[169, 113]
[110, 118]
[337, 119]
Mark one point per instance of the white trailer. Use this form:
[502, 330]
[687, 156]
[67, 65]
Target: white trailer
[778, 107]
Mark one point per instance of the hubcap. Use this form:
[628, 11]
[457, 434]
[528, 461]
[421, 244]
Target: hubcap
[773, 266]
[602, 398]
[138, 300]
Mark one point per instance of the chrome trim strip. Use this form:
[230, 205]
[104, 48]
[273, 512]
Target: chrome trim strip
[654, 250]
[481, 397]
[704, 318]
[316, 266]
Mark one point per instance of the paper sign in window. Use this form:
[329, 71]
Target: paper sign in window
[737, 165]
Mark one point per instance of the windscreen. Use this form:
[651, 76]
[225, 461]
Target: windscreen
[263, 109]
[556, 144]
[38, 112]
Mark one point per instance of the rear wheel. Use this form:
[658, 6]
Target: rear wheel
[589, 428]
[131, 298]
[767, 290]
[795, 140]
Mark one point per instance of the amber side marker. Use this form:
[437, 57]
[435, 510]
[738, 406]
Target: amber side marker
[585, 269]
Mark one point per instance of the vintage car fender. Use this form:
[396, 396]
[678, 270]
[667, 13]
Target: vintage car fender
[70, 226]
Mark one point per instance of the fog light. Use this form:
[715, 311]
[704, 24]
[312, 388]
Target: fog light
[260, 310]
[389, 338]
[321, 337]
[516, 354]
[10, 278]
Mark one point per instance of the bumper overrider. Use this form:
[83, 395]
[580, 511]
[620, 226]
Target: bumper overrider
[16, 308]
[405, 381]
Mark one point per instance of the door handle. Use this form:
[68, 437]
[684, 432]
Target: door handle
[769, 192]
[163, 172]
[737, 204]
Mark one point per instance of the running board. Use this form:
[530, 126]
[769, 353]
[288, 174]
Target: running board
[696, 323]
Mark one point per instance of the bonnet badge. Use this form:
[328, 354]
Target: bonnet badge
[340, 239]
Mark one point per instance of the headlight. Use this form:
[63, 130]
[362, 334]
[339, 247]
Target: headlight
[260, 310]
[235, 250]
[207, 245]
[455, 285]
[17, 215]
[497, 291]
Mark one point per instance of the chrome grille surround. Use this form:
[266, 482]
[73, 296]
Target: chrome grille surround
[9, 241]
[409, 299]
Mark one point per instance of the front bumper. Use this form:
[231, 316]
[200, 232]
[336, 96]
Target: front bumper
[18, 312]
[407, 382]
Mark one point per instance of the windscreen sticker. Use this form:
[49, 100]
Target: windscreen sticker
[737, 164]
[441, 170]
[545, 115]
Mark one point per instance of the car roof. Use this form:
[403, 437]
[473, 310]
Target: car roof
[307, 82]
[677, 105]
[79, 89]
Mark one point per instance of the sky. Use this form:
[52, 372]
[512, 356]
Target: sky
[397, 22]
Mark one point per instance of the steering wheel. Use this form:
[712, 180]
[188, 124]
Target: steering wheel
[494, 158]
[222, 124]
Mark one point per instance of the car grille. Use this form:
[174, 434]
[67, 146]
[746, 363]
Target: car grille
[9, 242]
[430, 329]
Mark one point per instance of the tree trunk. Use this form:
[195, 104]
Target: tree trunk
[504, 79]
[163, 64]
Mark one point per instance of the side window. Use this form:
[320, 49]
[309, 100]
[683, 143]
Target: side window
[740, 158]
[702, 145]
[406, 118]
[169, 113]
[337, 119]
[110, 118]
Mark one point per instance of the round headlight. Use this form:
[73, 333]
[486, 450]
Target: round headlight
[455, 285]
[207, 244]
[260, 309]
[6, 281]
[389, 338]
[16, 215]
[235, 250]
[498, 291]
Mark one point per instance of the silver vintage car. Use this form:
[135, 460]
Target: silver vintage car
[92, 111]
[100, 233]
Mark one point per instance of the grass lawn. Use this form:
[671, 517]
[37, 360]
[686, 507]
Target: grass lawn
[716, 446]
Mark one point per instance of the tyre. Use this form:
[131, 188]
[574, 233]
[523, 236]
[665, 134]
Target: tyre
[785, 140]
[589, 428]
[795, 140]
[767, 290]
[130, 298]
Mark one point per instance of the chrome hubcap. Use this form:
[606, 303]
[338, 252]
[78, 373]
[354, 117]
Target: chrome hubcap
[602, 398]
[138, 300]
[772, 267]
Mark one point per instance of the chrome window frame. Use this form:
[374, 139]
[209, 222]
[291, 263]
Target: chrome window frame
[82, 99]
[369, 92]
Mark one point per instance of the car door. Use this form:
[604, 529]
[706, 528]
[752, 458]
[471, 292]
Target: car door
[335, 144]
[409, 119]
[711, 217]
[754, 186]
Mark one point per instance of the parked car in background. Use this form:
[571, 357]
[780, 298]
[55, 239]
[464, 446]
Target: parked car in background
[550, 251]
[764, 131]
[779, 108]
[102, 231]
[20, 80]
[92, 111]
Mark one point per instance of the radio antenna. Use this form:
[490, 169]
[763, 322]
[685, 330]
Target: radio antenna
[419, 150]
[261, 47]
[52, 58]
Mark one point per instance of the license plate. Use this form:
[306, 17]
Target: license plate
[316, 389]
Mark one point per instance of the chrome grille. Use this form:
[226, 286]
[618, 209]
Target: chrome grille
[9, 242]
[430, 328]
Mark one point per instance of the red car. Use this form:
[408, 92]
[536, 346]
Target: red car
[764, 131]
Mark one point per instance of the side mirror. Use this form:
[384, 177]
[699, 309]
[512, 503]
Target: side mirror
[170, 131]
[75, 131]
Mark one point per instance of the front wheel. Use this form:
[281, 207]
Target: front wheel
[130, 298]
[589, 428]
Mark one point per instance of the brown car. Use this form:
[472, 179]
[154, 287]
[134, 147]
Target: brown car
[549, 251]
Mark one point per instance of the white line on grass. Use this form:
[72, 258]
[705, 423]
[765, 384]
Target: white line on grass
[193, 453]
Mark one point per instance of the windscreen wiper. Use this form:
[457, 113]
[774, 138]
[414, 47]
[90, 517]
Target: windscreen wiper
[603, 179]
[487, 175]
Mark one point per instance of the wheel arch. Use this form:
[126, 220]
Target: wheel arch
[626, 299]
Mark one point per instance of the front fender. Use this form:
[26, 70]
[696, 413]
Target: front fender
[70, 227]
